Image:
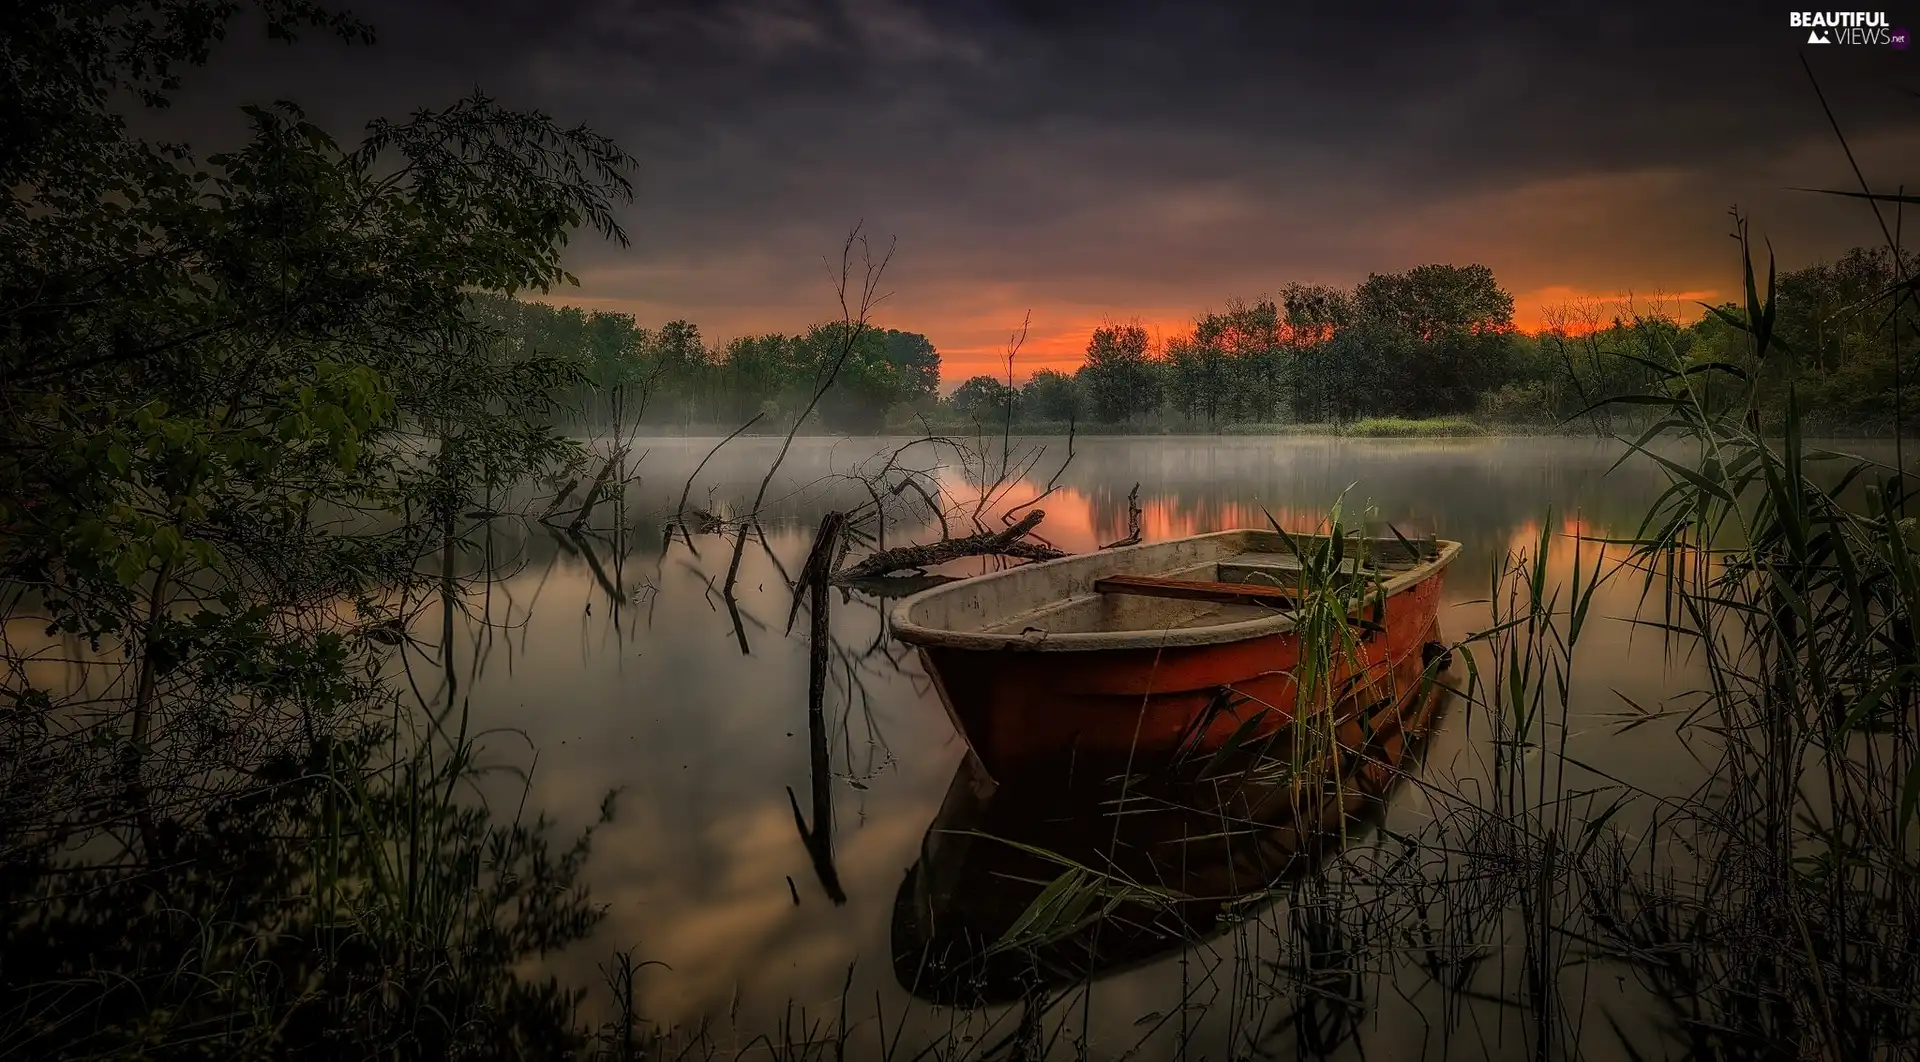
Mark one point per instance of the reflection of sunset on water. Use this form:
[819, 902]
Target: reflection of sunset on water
[1079, 520]
[1571, 532]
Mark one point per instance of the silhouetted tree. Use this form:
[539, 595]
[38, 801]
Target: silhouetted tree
[1458, 320]
[1120, 380]
[982, 397]
[918, 365]
[1051, 395]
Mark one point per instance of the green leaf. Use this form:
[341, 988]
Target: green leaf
[128, 568]
[167, 546]
[1042, 911]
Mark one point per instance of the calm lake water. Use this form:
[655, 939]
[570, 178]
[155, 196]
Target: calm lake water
[622, 668]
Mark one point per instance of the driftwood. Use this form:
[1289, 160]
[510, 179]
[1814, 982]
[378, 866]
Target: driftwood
[1007, 543]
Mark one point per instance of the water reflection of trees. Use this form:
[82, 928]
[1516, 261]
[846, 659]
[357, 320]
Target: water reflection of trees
[1187, 487]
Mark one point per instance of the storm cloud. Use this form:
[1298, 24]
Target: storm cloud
[1090, 161]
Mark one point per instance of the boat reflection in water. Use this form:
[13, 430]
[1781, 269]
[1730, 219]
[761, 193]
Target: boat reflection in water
[1063, 877]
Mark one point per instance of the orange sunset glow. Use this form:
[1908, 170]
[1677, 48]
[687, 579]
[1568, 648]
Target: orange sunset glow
[1057, 338]
[974, 341]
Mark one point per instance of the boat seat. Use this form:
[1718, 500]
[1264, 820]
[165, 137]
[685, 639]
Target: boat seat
[1271, 569]
[1241, 593]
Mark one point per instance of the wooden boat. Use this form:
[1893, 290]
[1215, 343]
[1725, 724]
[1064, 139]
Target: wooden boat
[1146, 653]
[1193, 855]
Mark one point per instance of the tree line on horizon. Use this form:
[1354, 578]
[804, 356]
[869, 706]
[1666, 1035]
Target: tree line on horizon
[670, 375]
[1433, 341]
[1439, 341]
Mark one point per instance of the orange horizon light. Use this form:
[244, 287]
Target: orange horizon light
[1570, 311]
[974, 342]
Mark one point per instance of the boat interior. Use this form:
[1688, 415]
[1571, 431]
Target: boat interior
[1238, 576]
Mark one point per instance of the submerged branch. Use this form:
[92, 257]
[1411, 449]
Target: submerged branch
[1133, 521]
[884, 587]
[595, 492]
[566, 492]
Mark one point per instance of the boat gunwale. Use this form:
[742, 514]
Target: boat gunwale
[918, 634]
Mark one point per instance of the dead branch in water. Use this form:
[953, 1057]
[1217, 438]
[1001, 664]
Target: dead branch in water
[874, 482]
[594, 492]
[884, 587]
[1007, 543]
[1133, 521]
[819, 565]
[560, 499]
[1014, 343]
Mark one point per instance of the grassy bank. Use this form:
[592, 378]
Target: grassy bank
[1411, 428]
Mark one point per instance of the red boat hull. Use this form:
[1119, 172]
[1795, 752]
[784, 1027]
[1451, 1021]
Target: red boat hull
[1139, 708]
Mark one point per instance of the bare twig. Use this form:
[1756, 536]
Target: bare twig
[680, 511]
[853, 323]
[1014, 343]
[1053, 483]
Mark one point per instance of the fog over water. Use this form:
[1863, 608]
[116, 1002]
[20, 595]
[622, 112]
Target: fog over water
[624, 670]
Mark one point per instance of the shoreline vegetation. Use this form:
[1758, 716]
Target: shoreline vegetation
[1430, 351]
[1375, 427]
[1365, 428]
[263, 410]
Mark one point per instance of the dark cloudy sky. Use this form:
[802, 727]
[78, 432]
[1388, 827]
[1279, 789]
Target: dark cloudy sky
[1111, 160]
